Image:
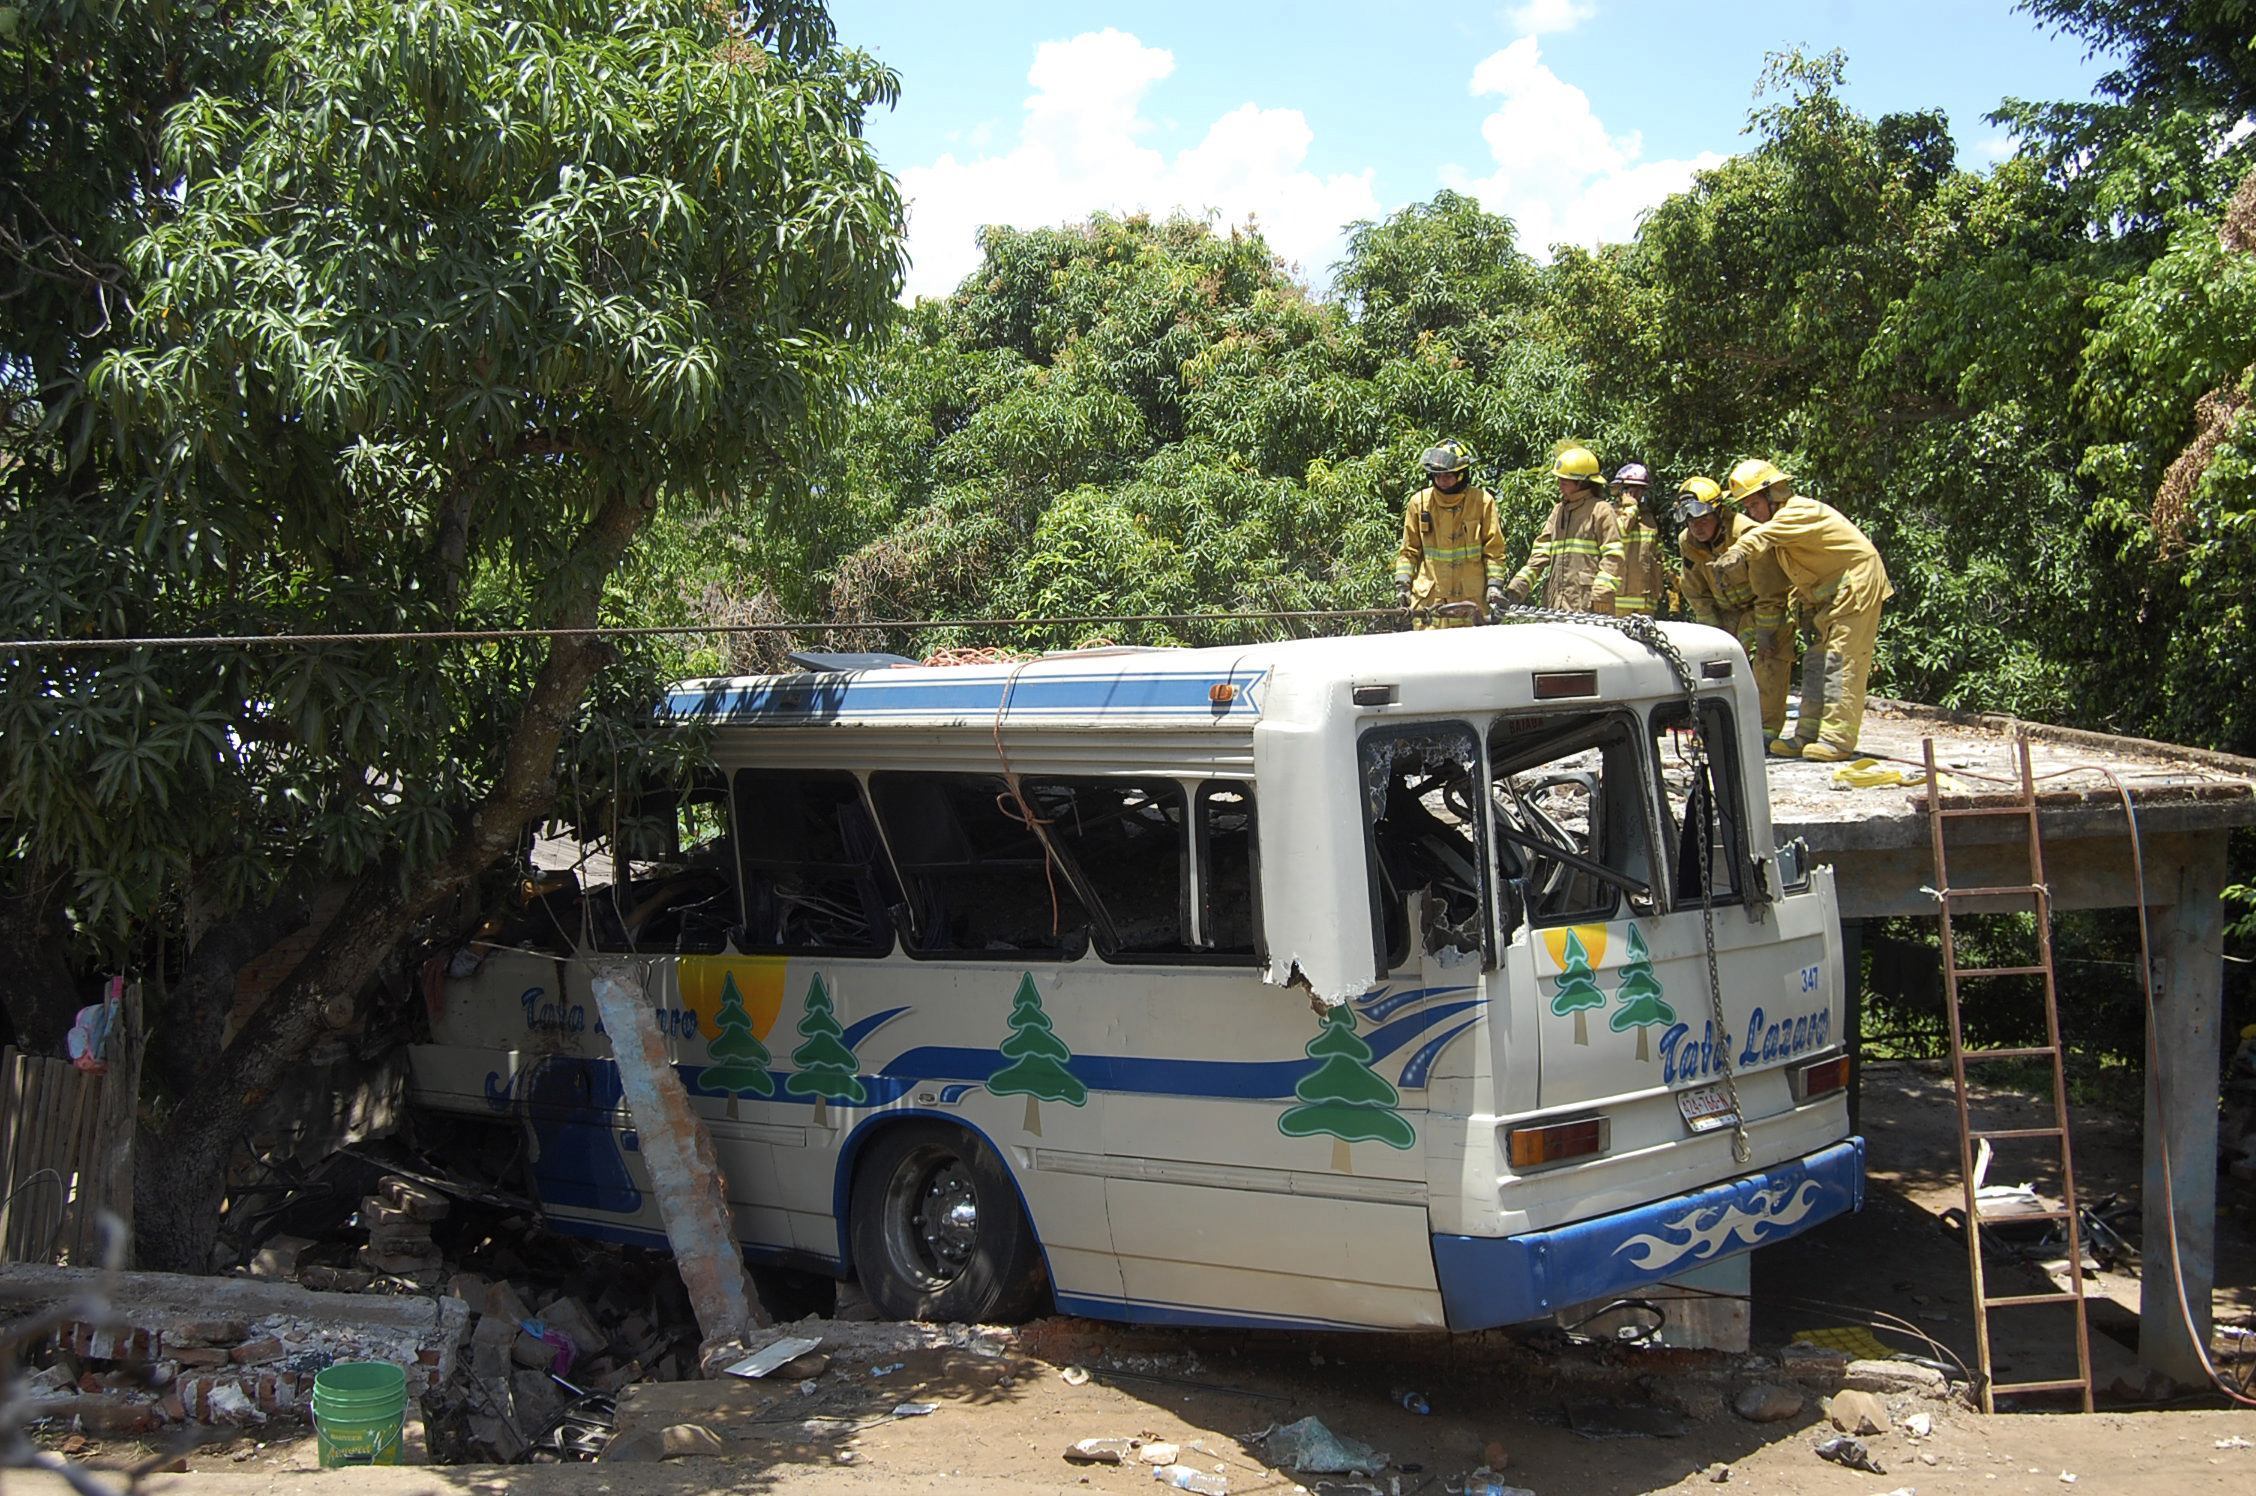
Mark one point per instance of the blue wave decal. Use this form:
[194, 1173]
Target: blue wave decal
[1384, 1006]
[1420, 1065]
[950, 1095]
[1233, 1080]
[862, 1028]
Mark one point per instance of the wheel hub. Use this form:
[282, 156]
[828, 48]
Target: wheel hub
[942, 1225]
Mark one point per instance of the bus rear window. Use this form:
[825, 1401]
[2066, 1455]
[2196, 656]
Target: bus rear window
[1571, 818]
[977, 879]
[1426, 842]
[1710, 798]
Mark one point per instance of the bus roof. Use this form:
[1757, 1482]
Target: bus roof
[1227, 688]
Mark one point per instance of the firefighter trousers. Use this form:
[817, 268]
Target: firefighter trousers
[1836, 665]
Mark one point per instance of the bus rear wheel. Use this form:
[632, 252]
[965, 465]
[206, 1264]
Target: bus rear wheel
[937, 1232]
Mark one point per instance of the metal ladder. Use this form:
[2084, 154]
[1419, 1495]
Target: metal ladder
[2022, 807]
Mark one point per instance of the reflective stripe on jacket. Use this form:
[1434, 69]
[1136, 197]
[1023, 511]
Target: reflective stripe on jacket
[1568, 554]
[1636, 571]
[1452, 546]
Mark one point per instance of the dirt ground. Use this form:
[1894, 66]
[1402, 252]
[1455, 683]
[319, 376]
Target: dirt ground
[1578, 1420]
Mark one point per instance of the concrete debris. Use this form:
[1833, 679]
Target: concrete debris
[205, 1350]
[915, 1409]
[1854, 1412]
[1159, 1454]
[1919, 1425]
[1767, 1402]
[690, 1440]
[1309, 1448]
[278, 1258]
[1719, 1473]
[1889, 1377]
[1099, 1451]
[227, 1404]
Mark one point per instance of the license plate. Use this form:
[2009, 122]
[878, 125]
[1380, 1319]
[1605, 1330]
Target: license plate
[1706, 1108]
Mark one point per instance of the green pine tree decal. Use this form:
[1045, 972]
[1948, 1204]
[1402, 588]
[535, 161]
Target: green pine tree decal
[1344, 1097]
[742, 1060]
[1639, 996]
[826, 1067]
[1577, 990]
[1038, 1059]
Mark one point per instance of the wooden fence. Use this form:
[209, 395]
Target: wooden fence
[66, 1139]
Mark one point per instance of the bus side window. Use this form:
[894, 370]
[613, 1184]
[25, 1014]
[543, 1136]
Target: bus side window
[815, 877]
[1571, 825]
[1129, 848]
[1229, 889]
[675, 888]
[1711, 800]
[976, 877]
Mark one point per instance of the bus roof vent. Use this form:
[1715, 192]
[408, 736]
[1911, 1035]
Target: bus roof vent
[823, 662]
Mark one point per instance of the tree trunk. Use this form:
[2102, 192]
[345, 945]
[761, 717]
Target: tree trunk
[37, 990]
[196, 1009]
[181, 1179]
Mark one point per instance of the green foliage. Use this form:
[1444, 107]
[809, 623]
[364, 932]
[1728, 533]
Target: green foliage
[378, 311]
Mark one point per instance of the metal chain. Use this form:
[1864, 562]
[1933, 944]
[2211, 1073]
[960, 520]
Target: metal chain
[1645, 631]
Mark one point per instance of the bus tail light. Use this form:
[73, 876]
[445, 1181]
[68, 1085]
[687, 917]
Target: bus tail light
[1821, 1078]
[1558, 1143]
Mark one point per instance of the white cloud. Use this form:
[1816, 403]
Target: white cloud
[1543, 17]
[1558, 172]
[1080, 151]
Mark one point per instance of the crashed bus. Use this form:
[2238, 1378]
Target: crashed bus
[1334, 983]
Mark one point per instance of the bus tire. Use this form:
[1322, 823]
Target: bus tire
[937, 1232]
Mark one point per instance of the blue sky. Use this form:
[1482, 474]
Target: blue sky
[1569, 116]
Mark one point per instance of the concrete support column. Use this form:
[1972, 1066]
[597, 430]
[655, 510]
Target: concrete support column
[2181, 1114]
[678, 1151]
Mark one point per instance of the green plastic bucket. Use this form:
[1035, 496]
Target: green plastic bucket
[358, 1407]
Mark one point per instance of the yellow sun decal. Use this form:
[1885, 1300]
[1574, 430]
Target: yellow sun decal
[1593, 939]
[759, 983]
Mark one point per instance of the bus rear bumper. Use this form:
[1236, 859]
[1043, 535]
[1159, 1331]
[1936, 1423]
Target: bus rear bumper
[1488, 1281]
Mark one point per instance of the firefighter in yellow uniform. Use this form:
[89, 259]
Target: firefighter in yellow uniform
[1756, 608]
[1842, 581]
[1452, 542]
[1636, 570]
[1571, 548]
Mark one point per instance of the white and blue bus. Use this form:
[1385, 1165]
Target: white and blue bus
[1353, 982]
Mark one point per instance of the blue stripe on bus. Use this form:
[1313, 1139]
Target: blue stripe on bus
[1232, 1080]
[1382, 1005]
[802, 698]
[1420, 1066]
[962, 1069]
[1156, 1312]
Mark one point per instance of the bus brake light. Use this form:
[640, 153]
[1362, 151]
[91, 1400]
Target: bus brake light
[1822, 1078]
[1539, 1147]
